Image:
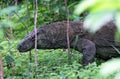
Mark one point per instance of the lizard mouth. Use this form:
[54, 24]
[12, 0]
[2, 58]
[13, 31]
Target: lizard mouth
[21, 48]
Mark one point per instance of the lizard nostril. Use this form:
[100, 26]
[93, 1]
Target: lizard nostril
[19, 46]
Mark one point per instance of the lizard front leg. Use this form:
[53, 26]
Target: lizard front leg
[88, 49]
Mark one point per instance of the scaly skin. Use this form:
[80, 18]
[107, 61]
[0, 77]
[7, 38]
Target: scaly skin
[53, 36]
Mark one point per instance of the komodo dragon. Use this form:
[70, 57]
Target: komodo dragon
[53, 36]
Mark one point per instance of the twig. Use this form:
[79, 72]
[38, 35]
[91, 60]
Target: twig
[16, 2]
[27, 10]
[68, 26]
[12, 63]
[28, 19]
[10, 44]
[11, 30]
[35, 29]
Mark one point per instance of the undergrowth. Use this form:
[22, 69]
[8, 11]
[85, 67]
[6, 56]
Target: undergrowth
[52, 64]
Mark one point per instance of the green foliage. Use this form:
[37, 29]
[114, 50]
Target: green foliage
[110, 67]
[9, 59]
[100, 12]
[52, 64]
[4, 21]
[8, 10]
[6, 24]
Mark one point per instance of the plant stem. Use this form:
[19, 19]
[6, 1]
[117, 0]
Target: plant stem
[35, 30]
[68, 26]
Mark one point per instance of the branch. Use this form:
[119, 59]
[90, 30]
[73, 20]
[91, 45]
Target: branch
[11, 30]
[16, 2]
[68, 26]
[35, 29]
[27, 25]
[28, 17]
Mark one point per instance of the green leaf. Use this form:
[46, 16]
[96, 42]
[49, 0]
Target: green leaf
[9, 59]
[102, 6]
[8, 10]
[97, 6]
[72, 4]
[47, 0]
[117, 22]
[1, 33]
[85, 5]
[6, 23]
[117, 76]
[1, 48]
[94, 21]
[110, 67]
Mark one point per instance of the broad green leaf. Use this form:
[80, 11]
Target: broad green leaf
[44, 0]
[97, 6]
[1, 48]
[72, 4]
[84, 5]
[9, 59]
[6, 23]
[110, 67]
[8, 10]
[106, 5]
[47, 0]
[117, 22]
[95, 21]
[117, 76]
